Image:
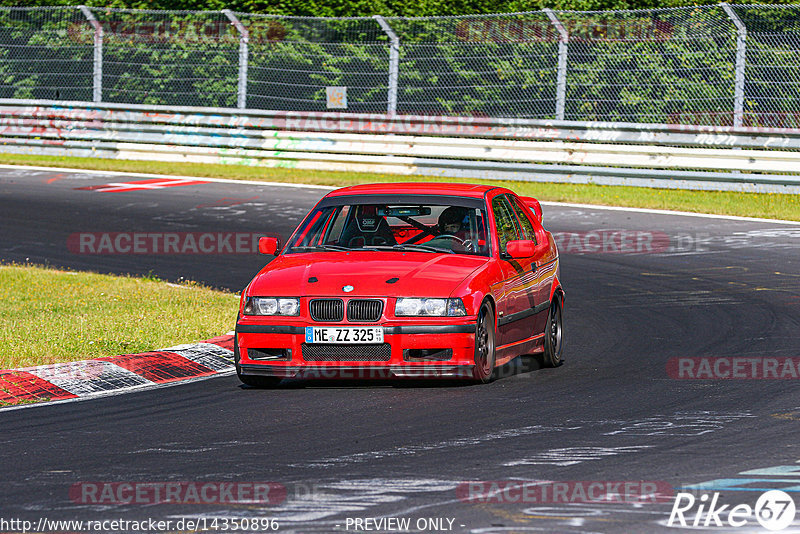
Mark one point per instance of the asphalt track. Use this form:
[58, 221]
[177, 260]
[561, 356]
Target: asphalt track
[365, 450]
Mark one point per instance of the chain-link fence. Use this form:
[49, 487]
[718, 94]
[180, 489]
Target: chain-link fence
[718, 65]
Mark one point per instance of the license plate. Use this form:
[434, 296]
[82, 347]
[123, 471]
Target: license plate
[335, 334]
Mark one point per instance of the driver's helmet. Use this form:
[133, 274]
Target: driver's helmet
[451, 220]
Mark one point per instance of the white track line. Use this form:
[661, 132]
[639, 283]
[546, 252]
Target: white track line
[329, 188]
[146, 175]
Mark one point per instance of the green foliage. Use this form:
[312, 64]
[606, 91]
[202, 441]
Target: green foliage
[357, 8]
[661, 66]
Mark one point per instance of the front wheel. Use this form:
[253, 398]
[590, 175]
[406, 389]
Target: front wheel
[553, 344]
[484, 345]
[251, 380]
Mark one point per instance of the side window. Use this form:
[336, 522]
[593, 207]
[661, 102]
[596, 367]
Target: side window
[506, 222]
[335, 229]
[525, 222]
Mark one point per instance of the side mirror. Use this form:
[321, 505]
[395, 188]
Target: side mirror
[268, 245]
[530, 249]
[520, 249]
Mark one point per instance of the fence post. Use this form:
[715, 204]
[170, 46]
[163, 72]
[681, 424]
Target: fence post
[394, 63]
[741, 62]
[97, 77]
[561, 81]
[244, 53]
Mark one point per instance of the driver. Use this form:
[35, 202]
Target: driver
[451, 222]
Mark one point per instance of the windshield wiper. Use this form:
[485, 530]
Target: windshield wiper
[320, 247]
[424, 248]
[370, 248]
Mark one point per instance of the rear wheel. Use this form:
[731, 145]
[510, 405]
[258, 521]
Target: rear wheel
[251, 380]
[484, 345]
[553, 344]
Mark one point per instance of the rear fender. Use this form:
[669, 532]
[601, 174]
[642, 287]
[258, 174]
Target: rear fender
[556, 289]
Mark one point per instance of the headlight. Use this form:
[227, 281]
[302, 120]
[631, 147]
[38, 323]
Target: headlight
[272, 306]
[429, 307]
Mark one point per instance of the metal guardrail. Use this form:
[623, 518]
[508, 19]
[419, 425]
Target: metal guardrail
[515, 149]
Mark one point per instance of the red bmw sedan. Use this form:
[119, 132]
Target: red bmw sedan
[404, 280]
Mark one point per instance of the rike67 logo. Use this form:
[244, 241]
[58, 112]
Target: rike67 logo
[774, 510]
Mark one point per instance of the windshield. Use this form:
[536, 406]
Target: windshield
[435, 228]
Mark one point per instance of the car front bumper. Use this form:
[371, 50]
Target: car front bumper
[410, 350]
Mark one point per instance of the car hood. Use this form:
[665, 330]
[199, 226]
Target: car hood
[410, 274]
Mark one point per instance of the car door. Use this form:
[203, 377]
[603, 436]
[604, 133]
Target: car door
[543, 269]
[515, 320]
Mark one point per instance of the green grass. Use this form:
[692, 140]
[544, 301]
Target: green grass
[771, 206]
[49, 316]
[17, 402]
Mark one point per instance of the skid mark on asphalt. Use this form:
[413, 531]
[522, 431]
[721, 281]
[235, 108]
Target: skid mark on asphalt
[585, 518]
[413, 450]
[226, 201]
[176, 450]
[792, 415]
[357, 497]
[673, 298]
[321, 500]
[378, 498]
[379, 485]
[745, 279]
[574, 455]
[181, 448]
[322, 506]
[679, 424]
[289, 210]
[766, 238]
[726, 291]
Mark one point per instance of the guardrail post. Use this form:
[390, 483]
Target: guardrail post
[394, 63]
[561, 80]
[244, 54]
[97, 77]
[741, 62]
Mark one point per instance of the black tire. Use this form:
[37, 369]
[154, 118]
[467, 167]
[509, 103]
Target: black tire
[251, 380]
[483, 371]
[553, 342]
